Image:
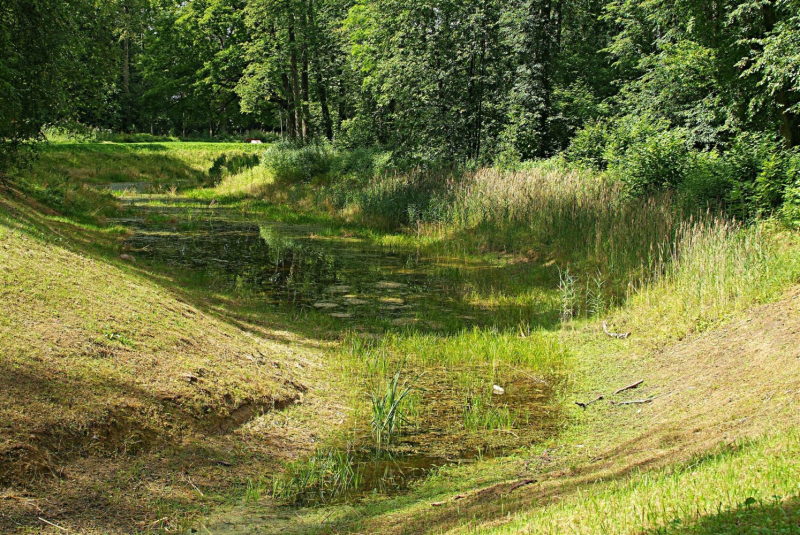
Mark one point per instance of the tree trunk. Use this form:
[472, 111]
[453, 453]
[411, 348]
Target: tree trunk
[289, 107]
[322, 91]
[295, 79]
[342, 104]
[785, 118]
[304, 87]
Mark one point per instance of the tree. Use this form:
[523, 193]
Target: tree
[35, 67]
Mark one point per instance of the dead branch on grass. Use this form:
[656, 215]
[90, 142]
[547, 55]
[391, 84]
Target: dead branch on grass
[634, 402]
[629, 387]
[619, 336]
[583, 405]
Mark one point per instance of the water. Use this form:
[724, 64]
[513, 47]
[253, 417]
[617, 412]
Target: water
[283, 264]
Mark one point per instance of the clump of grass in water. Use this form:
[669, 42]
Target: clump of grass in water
[325, 476]
[387, 404]
[567, 283]
[481, 414]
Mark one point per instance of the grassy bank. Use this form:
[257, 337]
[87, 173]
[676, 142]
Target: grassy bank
[528, 264]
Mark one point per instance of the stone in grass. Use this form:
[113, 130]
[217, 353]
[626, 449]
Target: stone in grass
[392, 301]
[127, 258]
[498, 390]
[357, 301]
[389, 285]
[342, 315]
[325, 306]
[341, 289]
[402, 322]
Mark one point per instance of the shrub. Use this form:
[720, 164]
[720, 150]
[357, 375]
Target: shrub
[648, 155]
[790, 212]
[589, 145]
[761, 173]
[707, 181]
[292, 164]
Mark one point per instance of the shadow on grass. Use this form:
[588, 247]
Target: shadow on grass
[754, 517]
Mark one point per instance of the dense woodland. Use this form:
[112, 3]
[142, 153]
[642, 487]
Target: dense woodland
[669, 92]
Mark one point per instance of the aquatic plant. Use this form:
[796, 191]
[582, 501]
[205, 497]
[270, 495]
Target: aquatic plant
[387, 405]
[324, 476]
[481, 414]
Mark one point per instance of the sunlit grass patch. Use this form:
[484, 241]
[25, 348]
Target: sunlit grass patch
[699, 497]
[714, 270]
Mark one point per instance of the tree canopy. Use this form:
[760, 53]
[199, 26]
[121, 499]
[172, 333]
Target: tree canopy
[444, 79]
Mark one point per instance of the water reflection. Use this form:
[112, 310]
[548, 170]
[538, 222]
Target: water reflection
[283, 264]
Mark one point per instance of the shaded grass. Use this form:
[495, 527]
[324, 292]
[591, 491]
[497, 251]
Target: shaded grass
[728, 490]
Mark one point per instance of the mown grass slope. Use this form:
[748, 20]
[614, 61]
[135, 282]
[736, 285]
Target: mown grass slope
[106, 368]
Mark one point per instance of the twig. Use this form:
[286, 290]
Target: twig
[200, 492]
[629, 387]
[506, 431]
[529, 376]
[619, 336]
[54, 525]
[634, 402]
[583, 405]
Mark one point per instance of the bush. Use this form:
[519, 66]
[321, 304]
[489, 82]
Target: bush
[707, 181]
[589, 145]
[761, 172]
[647, 155]
[752, 177]
[293, 164]
[790, 212]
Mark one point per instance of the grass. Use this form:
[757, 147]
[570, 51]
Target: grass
[531, 262]
[388, 409]
[322, 477]
[105, 365]
[749, 487]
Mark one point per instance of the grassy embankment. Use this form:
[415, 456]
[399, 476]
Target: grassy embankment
[124, 393]
[557, 253]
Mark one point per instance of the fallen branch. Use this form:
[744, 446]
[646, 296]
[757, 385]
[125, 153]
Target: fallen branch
[200, 492]
[629, 387]
[634, 402]
[583, 405]
[619, 336]
[523, 483]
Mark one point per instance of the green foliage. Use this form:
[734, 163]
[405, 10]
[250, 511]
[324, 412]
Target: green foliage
[648, 155]
[481, 414]
[387, 411]
[291, 164]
